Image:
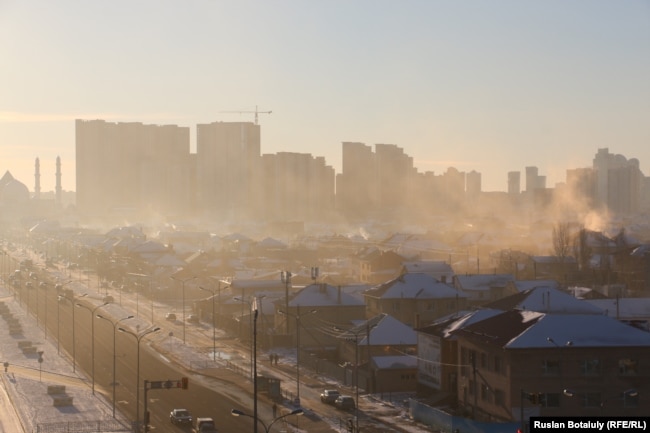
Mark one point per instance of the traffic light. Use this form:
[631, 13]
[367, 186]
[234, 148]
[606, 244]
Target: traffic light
[184, 382]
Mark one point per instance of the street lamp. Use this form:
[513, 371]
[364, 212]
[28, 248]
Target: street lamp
[214, 326]
[267, 429]
[138, 338]
[285, 277]
[356, 334]
[297, 317]
[183, 311]
[114, 355]
[250, 325]
[74, 355]
[92, 336]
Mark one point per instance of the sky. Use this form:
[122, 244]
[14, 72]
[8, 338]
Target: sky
[490, 86]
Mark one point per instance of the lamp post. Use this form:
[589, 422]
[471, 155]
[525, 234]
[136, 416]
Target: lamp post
[250, 320]
[58, 287]
[74, 355]
[297, 316]
[285, 277]
[138, 338]
[183, 310]
[214, 326]
[92, 336]
[114, 354]
[267, 429]
[356, 334]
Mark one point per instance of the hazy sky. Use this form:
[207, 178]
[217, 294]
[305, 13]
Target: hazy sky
[492, 86]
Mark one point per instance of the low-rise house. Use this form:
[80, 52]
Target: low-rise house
[414, 298]
[439, 270]
[437, 370]
[305, 314]
[375, 346]
[483, 288]
[376, 266]
[526, 363]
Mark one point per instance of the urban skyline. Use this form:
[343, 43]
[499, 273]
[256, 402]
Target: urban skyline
[466, 85]
[133, 170]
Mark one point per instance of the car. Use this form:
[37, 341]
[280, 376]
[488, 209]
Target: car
[344, 402]
[205, 425]
[329, 396]
[170, 316]
[180, 417]
[108, 299]
[193, 318]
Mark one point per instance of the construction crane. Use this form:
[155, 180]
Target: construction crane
[257, 113]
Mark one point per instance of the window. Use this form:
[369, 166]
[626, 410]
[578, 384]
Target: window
[551, 367]
[591, 399]
[499, 397]
[627, 367]
[485, 392]
[550, 400]
[498, 367]
[590, 367]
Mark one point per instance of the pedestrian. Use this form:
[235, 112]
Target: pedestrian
[271, 357]
[277, 358]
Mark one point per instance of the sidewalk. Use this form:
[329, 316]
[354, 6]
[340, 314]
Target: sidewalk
[26, 381]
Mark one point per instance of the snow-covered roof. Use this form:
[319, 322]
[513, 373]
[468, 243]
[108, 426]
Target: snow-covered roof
[624, 308]
[415, 286]
[545, 300]
[382, 330]
[523, 285]
[323, 295]
[527, 329]
[395, 362]
[483, 281]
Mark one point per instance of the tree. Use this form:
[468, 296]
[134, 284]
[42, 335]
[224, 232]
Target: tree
[561, 240]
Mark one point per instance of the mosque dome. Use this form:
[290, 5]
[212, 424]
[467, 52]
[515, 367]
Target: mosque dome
[12, 191]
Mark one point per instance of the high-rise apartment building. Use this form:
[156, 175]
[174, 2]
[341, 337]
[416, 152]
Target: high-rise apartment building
[514, 182]
[131, 168]
[356, 185]
[618, 181]
[228, 175]
[296, 187]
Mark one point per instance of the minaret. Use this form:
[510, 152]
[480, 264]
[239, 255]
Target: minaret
[58, 180]
[37, 179]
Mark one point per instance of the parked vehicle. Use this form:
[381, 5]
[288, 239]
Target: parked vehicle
[344, 402]
[329, 396]
[108, 299]
[170, 316]
[180, 417]
[193, 318]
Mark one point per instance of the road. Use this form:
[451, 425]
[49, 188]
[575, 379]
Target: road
[98, 349]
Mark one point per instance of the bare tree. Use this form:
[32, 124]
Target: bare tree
[581, 249]
[561, 240]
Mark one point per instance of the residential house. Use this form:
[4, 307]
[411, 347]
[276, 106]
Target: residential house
[414, 298]
[311, 314]
[526, 363]
[384, 348]
[483, 288]
[439, 270]
[376, 266]
[437, 370]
